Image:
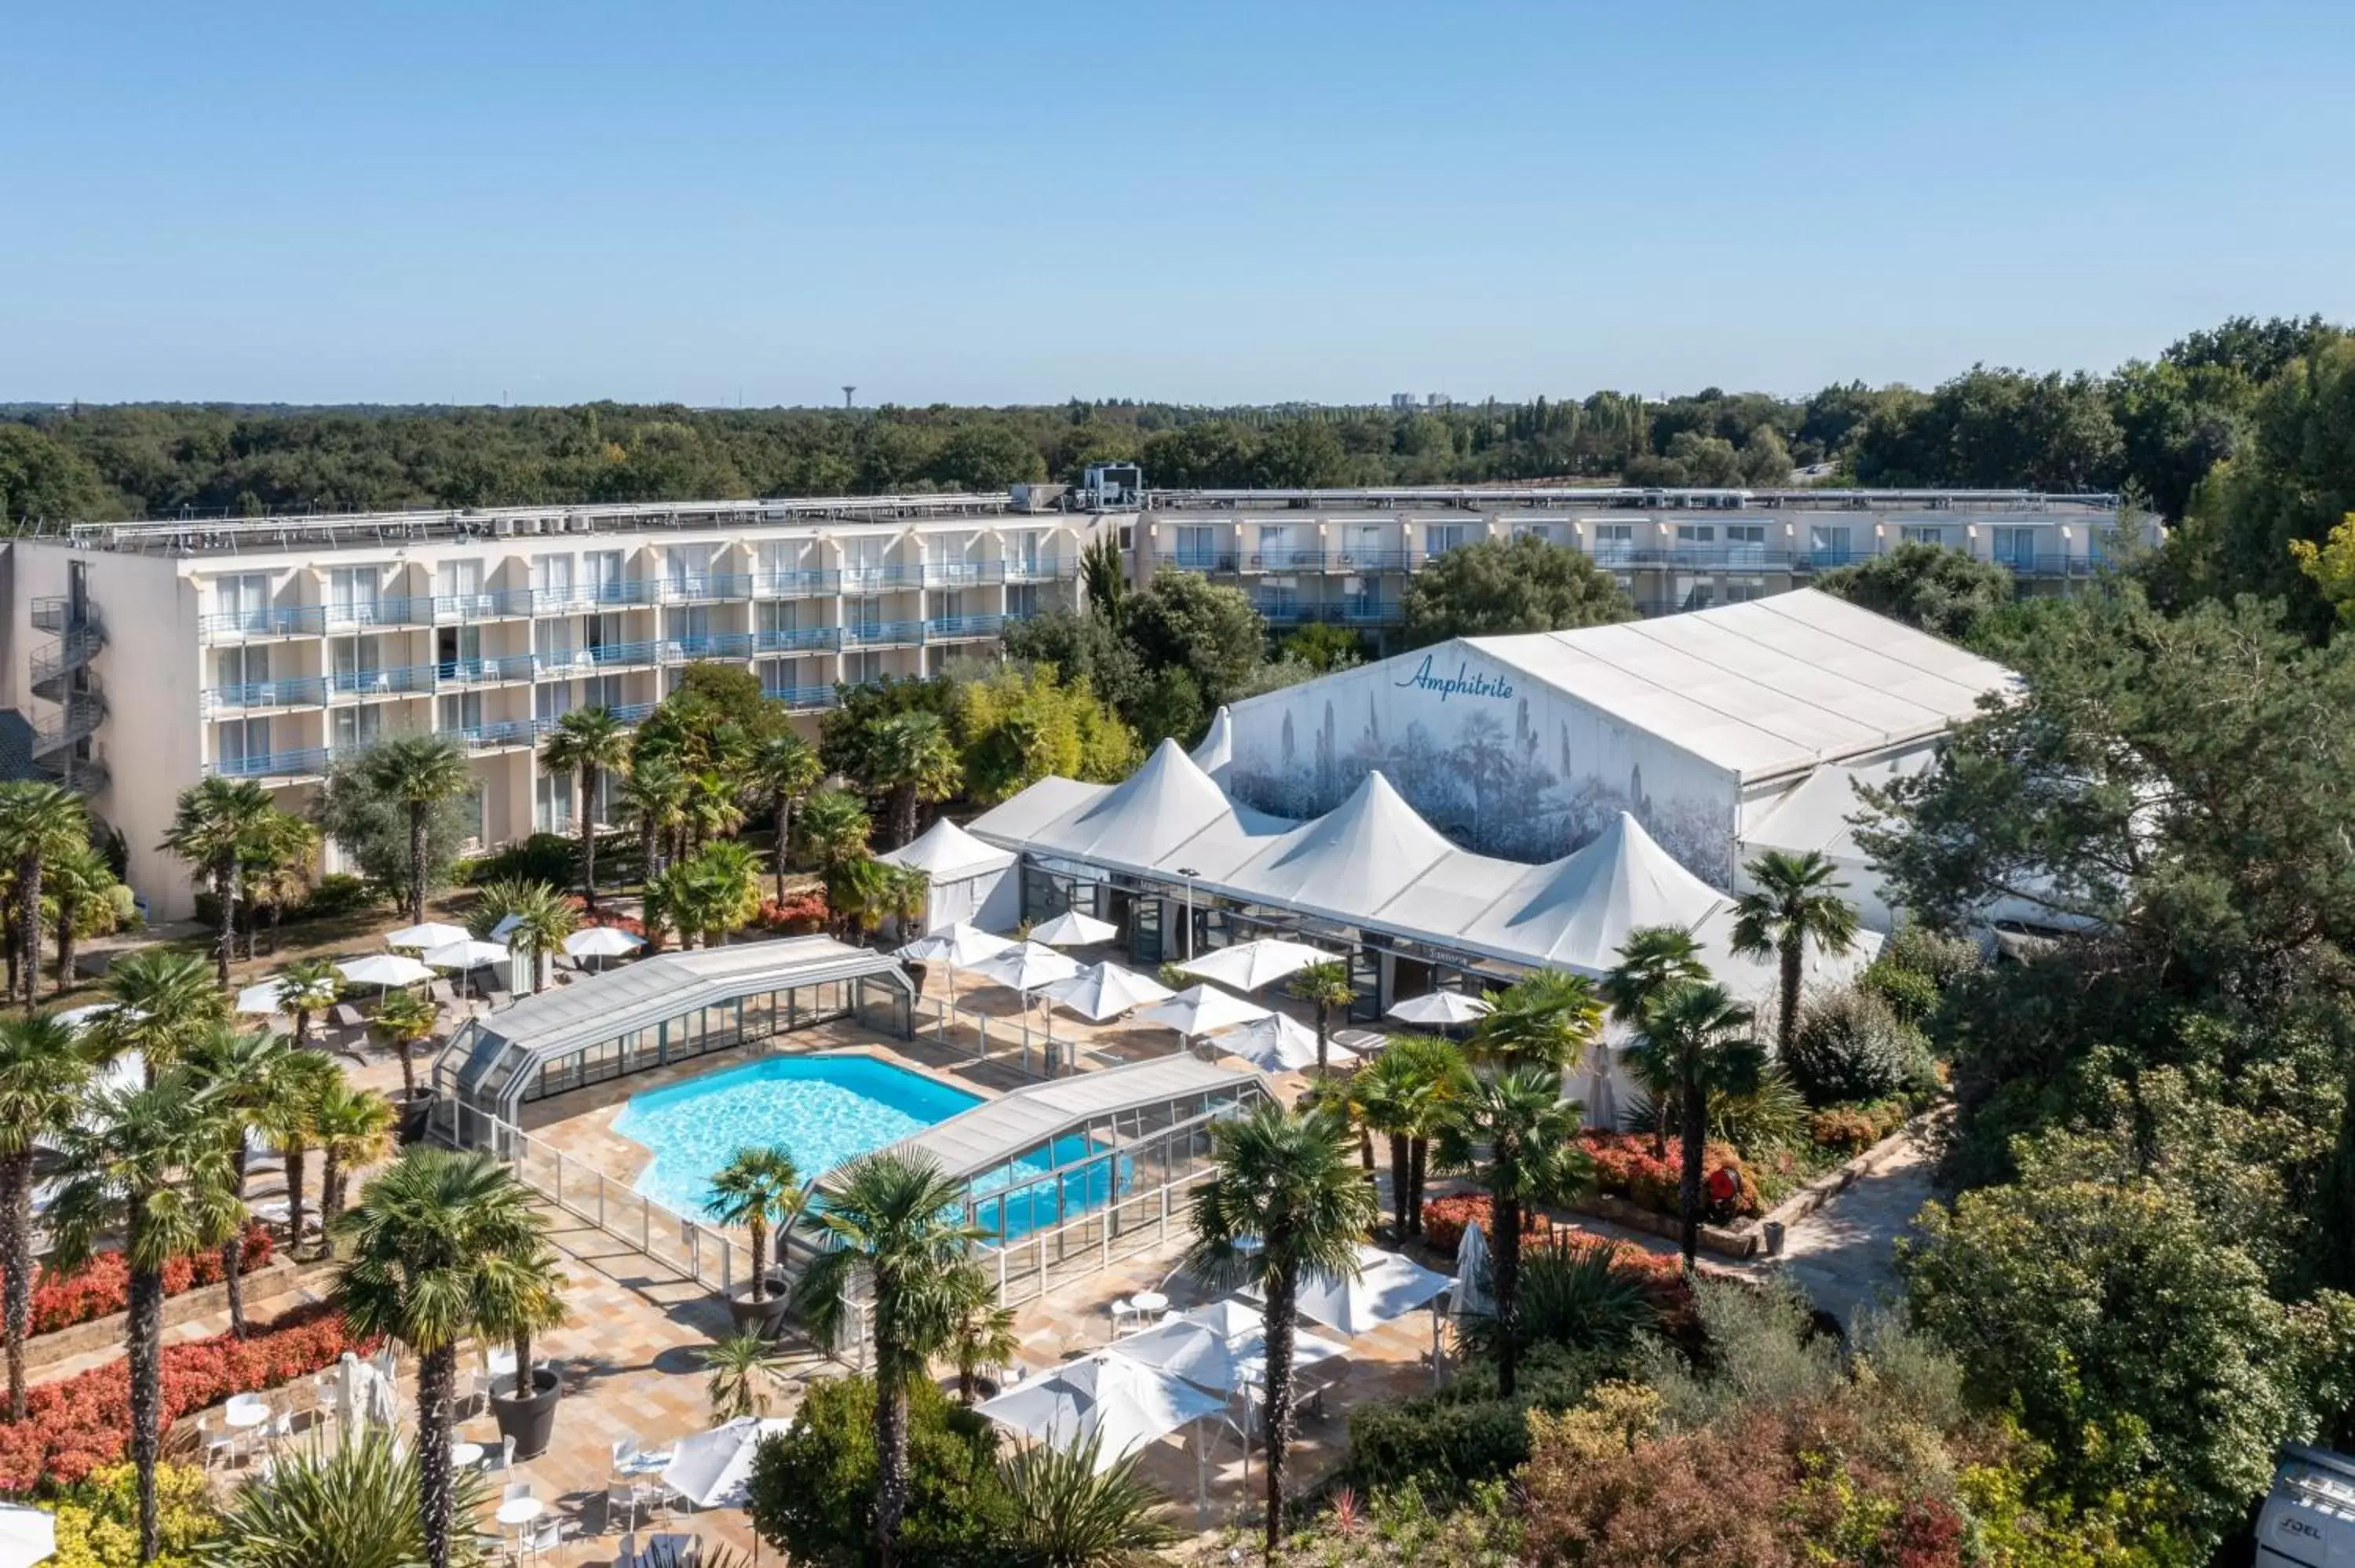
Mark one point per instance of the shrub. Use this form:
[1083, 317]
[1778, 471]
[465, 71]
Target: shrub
[1909, 995]
[802, 915]
[551, 858]
[1448, 1442]
[345, 1505]
[336, 893]
[1850, 1046]
[1854, 1128]
[77, 1424]
[1626, 1167]
[1444, 1220]
[1576, 1294]
[98, 1520]
[102, 1285]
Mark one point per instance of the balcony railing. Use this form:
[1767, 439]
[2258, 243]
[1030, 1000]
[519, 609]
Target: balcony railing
[804, 699]
[882, 634]
[796, 639]
[880, 579]
[1041, 569]
[696, 587]
[295, 690]
[409, 680]
[310, 762]
[717, 645]
[793, 584]
[608, 655]
[497, 672]
[270, 621]
[1336, 612]
[587, 598]
[1196, 560]
[963, 628]
[965, 574]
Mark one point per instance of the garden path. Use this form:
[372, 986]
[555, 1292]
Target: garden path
[1844, 1255]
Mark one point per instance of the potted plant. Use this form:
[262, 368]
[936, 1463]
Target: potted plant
[405, 1018]
[761, 1191]
[527, 1298]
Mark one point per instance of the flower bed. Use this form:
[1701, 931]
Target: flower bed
[1444, 1220]
[802, 915]
[103, 1287]
[1626, 1167]
[1661, 1273]
[73, 1426]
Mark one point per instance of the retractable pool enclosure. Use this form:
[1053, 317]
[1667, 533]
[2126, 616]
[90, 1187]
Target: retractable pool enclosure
[660, 1011]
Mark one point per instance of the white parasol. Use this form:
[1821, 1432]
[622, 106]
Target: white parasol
[1198, 1350]
[712, 1469]
[1029, 968]
[1387, 1285]
[27, 1536]
[261, 998]
[961, 947]
[1247, 966]
[1202, 1010]
[431, 934]
[601, 942]
[466, 954]
[1073, 929]
[1278, 1044]
[384, 970]
[1106, 991]
[1123, 1403]
[1447, 1009]
[1469, 1296]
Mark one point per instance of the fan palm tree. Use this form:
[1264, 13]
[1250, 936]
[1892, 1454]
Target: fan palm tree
[1072, 1511]
[1695, 1043]
[287, 1116]
[1795, 900]
[1285, 1200]
[353, 1129]
[1546, 1019]
[307, 986]
[1653, 961]
[83, 886]
[1396, 1099]
[246, 1072]
[834, 828]
[285, 850]
[215, 825]
[150, 1166]
[913, 760]
[729, 876]
[710, 809]
[417, 773]
[428, 1238]
[885, 1214]
[39, 824]
[740, 1370]
[1441, 1064]
[42, 1079]
[163, 1001]
[1324, 986]
[402, 1020]
[982, 1333]
[543, 919]
[759, 1189]
[785, 768]
[338, 1505]
[524, 1296]
[1516, 1138]
[654, 795]
[587, 743]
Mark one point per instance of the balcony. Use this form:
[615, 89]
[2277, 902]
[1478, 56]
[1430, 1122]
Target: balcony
[501, 672]
[409, 681]
[1039, 569]
[270, 621]
[1289, 559]
[965, 573]
[616, 655]
[1370, 561]
[883, 634]
[504, 735]
[797, 640]
[509, 604]
[963, 628]
[310, 762]
[1204, 561]
[804, 699]
[1335, 612]
[793, 584]
[703, 588]
[880, 579]
[295, 690]
[591, 598]
[717, 645]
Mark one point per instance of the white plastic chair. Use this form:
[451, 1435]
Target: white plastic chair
[620, 1503]
[547, 1535]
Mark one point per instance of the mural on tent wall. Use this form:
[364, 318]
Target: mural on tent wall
[1497, 763]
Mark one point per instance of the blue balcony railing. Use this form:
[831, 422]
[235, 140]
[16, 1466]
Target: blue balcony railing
[1286, 559]
[796, 639]
[295, 690]
[1186, 560]
[804, 699]
[483, 671]
[587, 598]
[1369, 560]
[406, 680]
[965, 573]
[880, 633]
[963, 628]
[309, 762]
[1039, 569]
[793, 584]
[272, 621]
[695, 586]
[880, 579]
[610, 654]
[714, 645]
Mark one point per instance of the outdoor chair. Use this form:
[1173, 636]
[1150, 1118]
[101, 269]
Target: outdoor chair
[622, 1504]
[502, 1460]
[347, 1016]
[515, 1491]
[499, 998]
[547, 1535]
[444, 994]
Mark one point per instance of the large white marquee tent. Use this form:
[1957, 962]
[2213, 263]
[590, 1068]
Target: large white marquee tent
[972, 883]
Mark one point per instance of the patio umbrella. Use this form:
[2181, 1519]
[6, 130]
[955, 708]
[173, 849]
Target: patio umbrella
[601, 942]
[1106, 991]
[1447, 1009]
[1198, 1351]
[431, 934]
[961, 947]
[384, 970]
[1124, 1403]
[1202, 1010]
[27, 1535]
[1029, 968]
[82, 1017]
[712, 1470]
[1278, 1044]
[466, 954]
[1470, 1295]
[1073, 929]
[261, 997]
[1247, 966]
[505, 928]
[1387, 1285]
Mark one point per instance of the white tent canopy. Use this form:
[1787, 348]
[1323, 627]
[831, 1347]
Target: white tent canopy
[431, 934]
[1216, 755]
[467, 954]
[1387, 1285]
[1106, 991]
[1278, 1044]
[1575, 913]
[713, 1469]
[1247, 966]
[1202, 1010]
[1029, 968]
[1074, 929]
[1226, 1353]
[1124, 1403]
[960, 947]
[971, 881]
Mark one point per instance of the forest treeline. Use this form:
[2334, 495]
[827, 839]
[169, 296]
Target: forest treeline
[2155, 427]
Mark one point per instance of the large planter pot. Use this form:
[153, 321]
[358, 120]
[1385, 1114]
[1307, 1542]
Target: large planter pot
[530, 1420]
[416, 1115]
[765, 1317]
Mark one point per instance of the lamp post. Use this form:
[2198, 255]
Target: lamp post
[1190, 873]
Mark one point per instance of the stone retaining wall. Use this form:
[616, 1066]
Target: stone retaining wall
[277, 1277]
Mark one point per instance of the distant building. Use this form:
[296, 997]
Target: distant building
[1402, 402]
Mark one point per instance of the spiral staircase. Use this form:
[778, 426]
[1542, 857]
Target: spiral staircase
[61, 745]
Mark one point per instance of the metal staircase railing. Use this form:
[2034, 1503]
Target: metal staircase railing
[61, 674]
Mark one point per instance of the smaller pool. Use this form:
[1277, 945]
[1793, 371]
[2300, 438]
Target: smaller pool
[823, 1111]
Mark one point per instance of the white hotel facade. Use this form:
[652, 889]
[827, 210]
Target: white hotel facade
[147, 655]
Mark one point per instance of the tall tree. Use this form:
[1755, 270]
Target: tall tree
[542, 918]
[655, 798]
[915, 762]
[1324, 986]
[418, 773]
[1653, 961]
[1284, 1200]
[402, 1020]
[39, 823]
[288, 1116]
[305, 986]
[429, 1239]
[1796, 901]
[161, 1003]
[152, 1167]
[1546, 1019]
[247, 1075]
[1696, 1042]
[785, 768]
[587, 743]
[355, 1129]
[43, 1078]
[84, 887]
[1493, 588]
[217, 824]
[885, 1213]
[1516, 1138]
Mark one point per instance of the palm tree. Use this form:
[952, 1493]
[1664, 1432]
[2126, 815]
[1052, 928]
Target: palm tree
[654, 795]
[543, 919]
[39, 824]
[1395, 1098]
[785, 769]
[428, 1238]
[1285, 1200]
[285, 849]
[246, 1072]
[586, 743]
[42, 1080]
[402, 1020]
[758, 1188]
[417, 772]
[1796, 901]
[353, 1129]
[288, 1118]
[741, 1371]
[885, 1214]
[524, 1295]
[215, 825]
[1073, 1511]
[1545, 1019]
[835, 828]
[1324, 986]
[902, 894]
[152, 1167]
[1440, 1064]
[710, 809]
[83, 886]
[727, 875]
[1695, 1043]
[913, 760]
[1653, 961]
[1518, 1139]
[338, 1505]
[163, 1001]
[981, 1334]
[307, 986]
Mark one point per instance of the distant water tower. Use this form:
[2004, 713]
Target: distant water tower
[847, 394]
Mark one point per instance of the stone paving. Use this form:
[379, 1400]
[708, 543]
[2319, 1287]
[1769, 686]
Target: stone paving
[1844, 1255]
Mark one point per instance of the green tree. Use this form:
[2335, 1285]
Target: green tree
[654, 795]
[1075, 1509]
[341, 1505]
[1545, 1019]
[543, 917]
[834, 828]
[1928, 586]
[785, 768]
[1516, 1138]
[152, 1167]
[1653, 961]
[739, 1372]
[418, 773]
[912, 760]
[981, 1332]
[216, 826]
[402, 1020]
[1695, 1042]
[1104, 579]
[286, 1113]
[523, 1297]
[43, 477]
[1181, 621]
[401, 808]
[1285, 1200]
[246, 1072]
[86, 894]
[886, 1214]
[759, 1189]
[304, 987]
[161, 1001]
[1396, 1099]
[1795, 901]
[1082, 648]
[40, 824]
[716, 893]
[1324, 986]
[1494, 587]
[587, 743]
[43, 1078]
[430, 1239]
[1019, 724]
[355, 1131]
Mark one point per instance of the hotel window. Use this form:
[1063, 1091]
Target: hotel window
[1022, 553]
[1827, 544]
[1021, 600]
[554, 795]
[1438, 538]
[688, 628]
[458, 652]
[862, 564]
[243, 601]
[355, 727]
[776, 677]
[1695, 593]
[859, 668]
[235, 668]
[2015, 547]
[1921, 534]
[1745, 544]
[1696, 534]
[1365, 545]
[1615, 542]
[359, 664]
[1742, 590]
[601, 569]
[457, 586]
[552, 583]
[460, 711]
[243, 743]
[601, 631]
[604, 692]
[1198, 549]
[552, 644]
[686, 571]
[352, 595]
[552, 702]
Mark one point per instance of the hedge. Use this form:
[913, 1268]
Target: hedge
[103, 1287]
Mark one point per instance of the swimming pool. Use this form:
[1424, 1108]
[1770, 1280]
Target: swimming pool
[823, 1111]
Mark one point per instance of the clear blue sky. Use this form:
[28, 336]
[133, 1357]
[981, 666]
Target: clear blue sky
[1207, 202]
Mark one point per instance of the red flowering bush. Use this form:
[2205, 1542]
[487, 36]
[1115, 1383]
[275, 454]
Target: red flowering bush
[102, 1285]
[1626, 1167]
[1444, 1220]
[802, 915]
[79, 1423]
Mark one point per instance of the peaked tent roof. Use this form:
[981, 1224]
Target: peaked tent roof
[1352, 860]
[1051, 799]
[1575, 912]
[1814, 816]
[1145, 815]
[948, 853]
[1217, 751]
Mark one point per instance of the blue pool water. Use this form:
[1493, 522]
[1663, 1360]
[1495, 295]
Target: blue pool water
[827, 1110]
